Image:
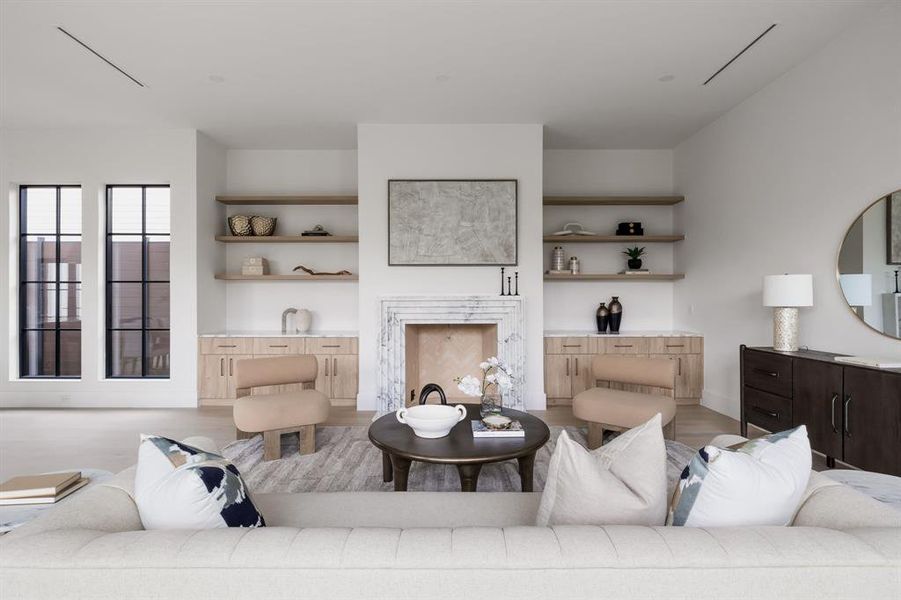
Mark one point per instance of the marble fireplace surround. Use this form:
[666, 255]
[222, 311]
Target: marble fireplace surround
[396, 312]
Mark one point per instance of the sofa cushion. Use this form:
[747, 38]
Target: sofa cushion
[620, 483]
[828, 503]
[761, 482]
[178, 486]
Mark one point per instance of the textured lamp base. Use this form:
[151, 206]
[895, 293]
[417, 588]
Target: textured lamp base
[785, 329]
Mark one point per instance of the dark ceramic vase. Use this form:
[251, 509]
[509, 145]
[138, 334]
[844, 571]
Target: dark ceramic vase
[603, 318]
[634, 263]
[616, 314]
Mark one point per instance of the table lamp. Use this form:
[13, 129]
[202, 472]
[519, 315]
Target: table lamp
[857, 288]
[786, 293]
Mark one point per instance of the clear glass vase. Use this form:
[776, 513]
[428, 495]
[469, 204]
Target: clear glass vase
[491, 404]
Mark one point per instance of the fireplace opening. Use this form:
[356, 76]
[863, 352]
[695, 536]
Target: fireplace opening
[438, 353]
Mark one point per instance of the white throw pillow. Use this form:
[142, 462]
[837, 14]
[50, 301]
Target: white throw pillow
[759, 483]
[182, 487]
[620, 483]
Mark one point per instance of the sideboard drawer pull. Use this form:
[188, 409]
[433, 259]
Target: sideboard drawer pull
[572, 345]
[675, 345]
[227, 346]
[278, 345]
[834, 398]
[847, 417]
[622, 345]
[768, 373]
[331, 345]
[769, 413]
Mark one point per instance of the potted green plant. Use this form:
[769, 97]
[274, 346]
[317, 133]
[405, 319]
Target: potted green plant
[634, 255]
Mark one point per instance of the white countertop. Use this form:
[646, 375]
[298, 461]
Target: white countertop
[254, 334]
[623, 333]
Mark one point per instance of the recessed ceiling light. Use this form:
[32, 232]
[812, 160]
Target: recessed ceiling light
[666, 78]
[442, 78]
[217, 78]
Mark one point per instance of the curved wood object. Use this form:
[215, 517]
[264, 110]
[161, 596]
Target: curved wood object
[312, 272]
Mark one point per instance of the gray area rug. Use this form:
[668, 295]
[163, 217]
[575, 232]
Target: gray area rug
[346, 461]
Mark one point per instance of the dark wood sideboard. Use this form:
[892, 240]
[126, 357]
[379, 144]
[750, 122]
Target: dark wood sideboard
[852, 413]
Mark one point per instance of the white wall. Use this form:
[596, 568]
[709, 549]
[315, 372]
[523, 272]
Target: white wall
[772, 186]
[93, 159]
[572, 305]
[211, 299]
[258, 306]
[447, 151]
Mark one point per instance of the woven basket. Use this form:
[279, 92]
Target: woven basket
[240, 225]
[263, 226]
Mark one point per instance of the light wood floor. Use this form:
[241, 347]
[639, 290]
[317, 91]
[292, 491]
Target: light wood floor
[37, 440]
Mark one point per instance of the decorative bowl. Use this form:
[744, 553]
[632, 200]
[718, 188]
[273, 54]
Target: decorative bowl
[263, 226]
[240, 225]
[432, 420]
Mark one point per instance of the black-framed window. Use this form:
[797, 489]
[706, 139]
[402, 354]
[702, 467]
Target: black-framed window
[49, 281]
[137, 281]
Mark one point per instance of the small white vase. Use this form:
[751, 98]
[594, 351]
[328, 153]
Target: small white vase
[304, 320]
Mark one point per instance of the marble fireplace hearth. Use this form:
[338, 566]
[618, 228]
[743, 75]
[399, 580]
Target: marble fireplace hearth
[396, 312]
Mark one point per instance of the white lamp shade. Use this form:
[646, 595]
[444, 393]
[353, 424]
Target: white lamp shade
[788, 290]
[857, 288]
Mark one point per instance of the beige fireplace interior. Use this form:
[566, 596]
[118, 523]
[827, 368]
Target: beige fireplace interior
[440, 353]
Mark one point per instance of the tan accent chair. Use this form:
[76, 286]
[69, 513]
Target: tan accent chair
[608, 408]
[286, 412]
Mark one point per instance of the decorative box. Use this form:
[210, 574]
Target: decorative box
[255, 265]
[630, 228]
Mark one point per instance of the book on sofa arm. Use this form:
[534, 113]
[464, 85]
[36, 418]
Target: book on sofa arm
[40, 489]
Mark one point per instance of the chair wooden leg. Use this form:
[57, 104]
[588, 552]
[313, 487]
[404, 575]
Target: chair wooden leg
[669, 431]
[595, 435]
[272, 445]
[307, 439]
[243, 435]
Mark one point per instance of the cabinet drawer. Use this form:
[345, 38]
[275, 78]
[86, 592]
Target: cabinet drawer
[626, 345]
[331, 345]
[769, 411]
[567, 345]
[768, 372]
[278, 345]
[217, 345]
[675, 345]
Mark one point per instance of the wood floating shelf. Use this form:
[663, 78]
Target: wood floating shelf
[612, 200]
[613, 277]
[286, 277]
[288, 200]
[600, 239]
[288, 239]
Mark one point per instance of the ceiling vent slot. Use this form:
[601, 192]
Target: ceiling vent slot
[745, 49]
[100, 56]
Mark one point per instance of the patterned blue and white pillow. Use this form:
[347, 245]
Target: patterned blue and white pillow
[181, 487]
[759, 483]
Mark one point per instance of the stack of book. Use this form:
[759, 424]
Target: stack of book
[481, 430]
[635, 272]
[40, 489]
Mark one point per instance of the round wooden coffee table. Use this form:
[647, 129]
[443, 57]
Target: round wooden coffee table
[400, 446]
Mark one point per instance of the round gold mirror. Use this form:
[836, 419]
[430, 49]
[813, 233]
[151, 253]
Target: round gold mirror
[869, 265]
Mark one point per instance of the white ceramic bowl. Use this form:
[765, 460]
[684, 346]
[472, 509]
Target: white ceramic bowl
[432, 420]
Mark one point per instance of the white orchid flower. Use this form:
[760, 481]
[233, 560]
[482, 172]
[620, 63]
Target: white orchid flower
[470, 386]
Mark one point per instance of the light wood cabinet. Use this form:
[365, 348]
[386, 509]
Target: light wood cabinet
[337, 359]
[567, 364]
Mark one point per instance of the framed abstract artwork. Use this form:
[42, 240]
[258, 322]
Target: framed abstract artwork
[452, 222]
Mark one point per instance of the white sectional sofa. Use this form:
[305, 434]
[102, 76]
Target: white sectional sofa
[448, 545]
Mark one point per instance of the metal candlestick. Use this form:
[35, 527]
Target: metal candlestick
[516, 292]
[502, 282]
[508, 286]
